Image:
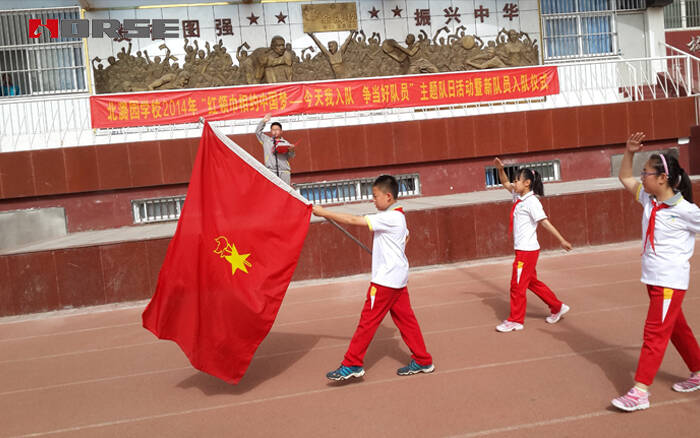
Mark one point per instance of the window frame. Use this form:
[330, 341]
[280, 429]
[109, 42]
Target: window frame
[41, 66]
[577, 13]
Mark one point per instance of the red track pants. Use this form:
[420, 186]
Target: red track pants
[665, 321]
[380, 301]
[524, 278]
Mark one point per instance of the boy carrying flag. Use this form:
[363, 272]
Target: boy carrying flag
[387, 291]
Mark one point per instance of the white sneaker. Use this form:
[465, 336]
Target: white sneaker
[555, 317]
[509, 326]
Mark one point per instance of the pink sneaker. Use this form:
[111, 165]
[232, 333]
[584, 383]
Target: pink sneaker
[555, 317]
[634, 400]
[689, 385]
[509, 326]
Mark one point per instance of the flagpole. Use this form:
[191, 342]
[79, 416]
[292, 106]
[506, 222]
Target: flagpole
[347, 233]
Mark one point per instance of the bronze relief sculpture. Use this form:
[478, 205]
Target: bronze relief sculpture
[357, 57]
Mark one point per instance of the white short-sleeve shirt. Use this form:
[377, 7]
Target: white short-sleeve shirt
[527, 214]
[389, 262]
[674, 241]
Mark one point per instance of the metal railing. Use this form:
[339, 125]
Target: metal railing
[51, 121]
[571, 36]
[630, 5]
[42, 65]
[684, 70]
[582, 28]
[32, 123]
[682, 14]
[581, 6]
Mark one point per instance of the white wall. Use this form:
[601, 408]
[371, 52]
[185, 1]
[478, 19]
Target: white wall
[260, 35]
[657, 33]
[632, 38]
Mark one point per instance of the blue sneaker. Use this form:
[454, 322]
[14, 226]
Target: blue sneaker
[414, 368]
[345, 373]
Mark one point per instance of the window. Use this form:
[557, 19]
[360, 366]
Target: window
[157, 209]
[548, 170]
[168, 208]
[582, 28]
[335, 192]
[38, 66]
[682, 14]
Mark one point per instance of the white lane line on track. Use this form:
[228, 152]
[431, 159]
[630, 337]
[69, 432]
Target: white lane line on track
[97, 350]
[321, 391]
[314, 349]
[567, 419]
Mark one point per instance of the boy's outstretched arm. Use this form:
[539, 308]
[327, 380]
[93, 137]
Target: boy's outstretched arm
[343, 218]
[549, 227]
[502, 175]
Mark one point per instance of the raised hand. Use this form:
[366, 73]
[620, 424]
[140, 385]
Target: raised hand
[634, 142]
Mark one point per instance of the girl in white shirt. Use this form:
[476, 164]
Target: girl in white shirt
[526, 214]
[669, 223]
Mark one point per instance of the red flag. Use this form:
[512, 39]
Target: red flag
[230, 261]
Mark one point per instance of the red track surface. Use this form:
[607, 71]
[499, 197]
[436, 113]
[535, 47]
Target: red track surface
[101, 374]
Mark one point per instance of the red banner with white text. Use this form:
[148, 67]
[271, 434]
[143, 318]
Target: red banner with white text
[254, 101]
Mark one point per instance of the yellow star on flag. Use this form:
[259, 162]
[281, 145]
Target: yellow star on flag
[238, 261]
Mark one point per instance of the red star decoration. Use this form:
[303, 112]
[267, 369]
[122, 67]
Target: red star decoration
[253, 18]
[374, 13]
[281, 17]
[397, 11]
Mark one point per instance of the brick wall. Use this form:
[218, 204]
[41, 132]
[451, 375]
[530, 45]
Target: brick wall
[51, 280]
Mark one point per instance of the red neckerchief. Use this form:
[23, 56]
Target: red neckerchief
[512, 213]
[652, 223]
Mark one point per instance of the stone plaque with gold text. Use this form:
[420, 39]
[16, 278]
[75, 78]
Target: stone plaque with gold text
[329, 17]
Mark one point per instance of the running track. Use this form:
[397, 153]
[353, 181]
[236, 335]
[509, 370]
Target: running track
[98, 373]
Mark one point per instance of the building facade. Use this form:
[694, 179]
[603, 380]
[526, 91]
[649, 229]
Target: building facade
[622, 66]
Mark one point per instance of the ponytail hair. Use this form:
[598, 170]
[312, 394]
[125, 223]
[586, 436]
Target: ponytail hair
[677, 178]
[535, 179]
